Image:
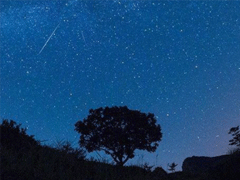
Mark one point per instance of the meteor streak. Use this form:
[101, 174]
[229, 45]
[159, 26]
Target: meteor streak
[83, 37]
[48, 39]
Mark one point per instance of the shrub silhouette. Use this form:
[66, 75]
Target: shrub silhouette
[66, 147]
[119, 131]
[159, 173]
[15, 137]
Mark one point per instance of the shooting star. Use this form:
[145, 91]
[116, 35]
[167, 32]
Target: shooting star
[83, 37]
[48, 39]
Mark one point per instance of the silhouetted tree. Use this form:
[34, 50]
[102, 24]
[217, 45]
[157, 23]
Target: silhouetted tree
[119, 131]
[172, 167]
[236, 136]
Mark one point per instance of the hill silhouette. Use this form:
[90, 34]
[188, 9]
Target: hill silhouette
[22, 157]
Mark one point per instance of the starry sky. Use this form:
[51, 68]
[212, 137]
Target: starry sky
[177, 59]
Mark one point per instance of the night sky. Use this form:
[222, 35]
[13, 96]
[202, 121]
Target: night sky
[177, 59]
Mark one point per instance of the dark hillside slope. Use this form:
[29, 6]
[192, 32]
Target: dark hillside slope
[22, 157]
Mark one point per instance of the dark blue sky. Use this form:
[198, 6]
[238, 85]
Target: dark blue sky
[177, 59]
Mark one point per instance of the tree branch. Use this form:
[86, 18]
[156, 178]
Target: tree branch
[126, 160]
[111, 154]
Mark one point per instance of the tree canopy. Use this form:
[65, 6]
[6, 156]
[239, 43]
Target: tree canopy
[119, 131]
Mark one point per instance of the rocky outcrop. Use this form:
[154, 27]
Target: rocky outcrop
[198, 165]
[212, 168]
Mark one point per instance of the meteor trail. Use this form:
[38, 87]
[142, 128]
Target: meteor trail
[83, 37]
[48, 39]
